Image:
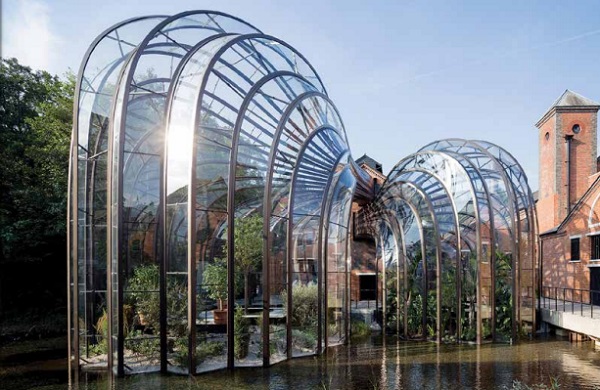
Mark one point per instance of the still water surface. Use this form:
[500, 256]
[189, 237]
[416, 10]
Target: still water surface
[378, 363]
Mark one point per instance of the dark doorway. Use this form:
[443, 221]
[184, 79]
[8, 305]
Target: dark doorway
[595, 284]
[368, 287]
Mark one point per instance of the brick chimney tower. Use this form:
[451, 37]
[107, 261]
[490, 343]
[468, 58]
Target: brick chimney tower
[567, 139]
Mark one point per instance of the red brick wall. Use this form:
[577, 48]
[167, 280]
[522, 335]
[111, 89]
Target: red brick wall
[552, 205]
[547, 191]
[558, 269]
[583, 150]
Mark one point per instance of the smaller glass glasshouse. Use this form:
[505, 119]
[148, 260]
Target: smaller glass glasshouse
[214, 206]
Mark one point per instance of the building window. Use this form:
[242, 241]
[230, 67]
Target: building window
[576, 129]
[575, 249]
[595, 246]
[547, 136]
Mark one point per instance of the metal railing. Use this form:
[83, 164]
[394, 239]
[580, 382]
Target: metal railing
[572, 300]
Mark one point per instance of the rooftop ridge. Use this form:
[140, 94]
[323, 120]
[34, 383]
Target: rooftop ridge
[569, 99]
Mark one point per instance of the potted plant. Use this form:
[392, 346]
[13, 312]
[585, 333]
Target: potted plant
[215, 280]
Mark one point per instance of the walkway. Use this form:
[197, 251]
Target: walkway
[576, 317]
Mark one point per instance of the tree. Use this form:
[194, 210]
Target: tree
[215, 280]
[35, 126]
[248, 249]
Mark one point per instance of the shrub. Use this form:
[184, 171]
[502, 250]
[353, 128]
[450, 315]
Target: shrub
[305, 305]
[415, 314]
[142, 345]
[504, 298]
[208, 349]
[215, 281]
[143, 286]
[359, 329]
[304, 339]
[241, 340]
[98, 349]
[272, 347]
[204, 350]
[101, 347]
[181, 351]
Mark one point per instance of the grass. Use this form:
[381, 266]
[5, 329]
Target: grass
[359, 329]
[554, 384]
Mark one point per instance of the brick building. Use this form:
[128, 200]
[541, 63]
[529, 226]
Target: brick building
[363, 277]
[569, 189]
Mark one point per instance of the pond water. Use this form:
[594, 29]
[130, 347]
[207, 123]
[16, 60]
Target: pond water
[377, 363]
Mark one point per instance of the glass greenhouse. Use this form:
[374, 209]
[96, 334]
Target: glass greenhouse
[211, 201]
[456, 234]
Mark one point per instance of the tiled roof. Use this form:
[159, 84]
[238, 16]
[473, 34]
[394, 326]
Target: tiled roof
[569, 99]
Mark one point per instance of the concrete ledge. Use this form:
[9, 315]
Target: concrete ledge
[573, 322]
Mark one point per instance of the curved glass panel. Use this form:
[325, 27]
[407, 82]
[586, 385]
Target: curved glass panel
[256, 188]
[336, 261]
[94, 100]
[311, 183]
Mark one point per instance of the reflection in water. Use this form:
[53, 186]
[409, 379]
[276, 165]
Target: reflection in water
[387, 363]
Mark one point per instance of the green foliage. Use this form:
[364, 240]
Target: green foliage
[204, 350]
[469, 298]
[102, 324]
[413, 299]
[215, 280]
[468, 330]
[208, 349]
[181, 351]
[35, 127]
[177, 304]
[431, 313]
[248, 258]
[241, 339]
[449, 302]
[359, 329]
[415, 315]
[248, 243]
[101, 347]
[143, 345]
[144, 296]
[391, 299]
[305, 307]
[248, 249]
[144, 285]
[504, 301]
[486, 329]
[145, 278]
[304, 339]
[450, 339]
[273, 341]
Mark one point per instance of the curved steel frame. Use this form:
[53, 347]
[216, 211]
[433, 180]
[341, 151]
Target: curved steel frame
[251, 91]
[502, 208]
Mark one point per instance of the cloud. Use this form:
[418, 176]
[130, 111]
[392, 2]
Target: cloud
[28, 35]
